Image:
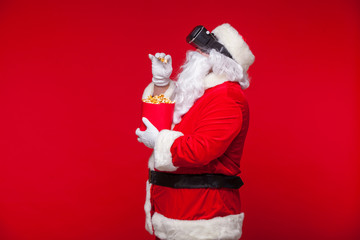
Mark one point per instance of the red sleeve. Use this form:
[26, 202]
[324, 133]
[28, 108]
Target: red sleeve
[219, 124]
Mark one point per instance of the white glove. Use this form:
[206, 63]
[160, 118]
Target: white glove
[161, 70]
[149, 136]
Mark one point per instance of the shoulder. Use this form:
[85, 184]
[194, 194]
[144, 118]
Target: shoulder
[227, 90]
[221, 86]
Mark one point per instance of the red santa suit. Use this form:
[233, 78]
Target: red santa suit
[208, 140]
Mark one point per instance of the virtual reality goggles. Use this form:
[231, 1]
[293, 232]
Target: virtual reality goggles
[202, 39]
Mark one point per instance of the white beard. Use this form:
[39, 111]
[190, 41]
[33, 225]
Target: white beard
[190, 85]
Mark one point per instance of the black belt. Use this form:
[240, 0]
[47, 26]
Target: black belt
[194, 180]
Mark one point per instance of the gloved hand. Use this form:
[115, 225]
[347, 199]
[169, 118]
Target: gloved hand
[161, 71]
[149, 136]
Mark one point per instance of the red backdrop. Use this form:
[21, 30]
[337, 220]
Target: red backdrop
[71, 78]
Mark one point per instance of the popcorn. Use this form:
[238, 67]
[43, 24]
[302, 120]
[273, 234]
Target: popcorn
[163, 60]
[159, 110]
[157, 99]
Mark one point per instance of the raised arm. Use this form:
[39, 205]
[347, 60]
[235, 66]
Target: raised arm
[161, 70]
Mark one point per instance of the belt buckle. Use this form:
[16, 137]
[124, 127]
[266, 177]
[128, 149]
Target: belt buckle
[150, 176]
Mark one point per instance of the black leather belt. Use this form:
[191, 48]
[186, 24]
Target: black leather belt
[194, 180]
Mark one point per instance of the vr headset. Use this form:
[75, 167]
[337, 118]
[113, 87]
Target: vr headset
[202, 39]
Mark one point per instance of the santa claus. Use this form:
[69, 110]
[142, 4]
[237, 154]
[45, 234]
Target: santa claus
[194, 180]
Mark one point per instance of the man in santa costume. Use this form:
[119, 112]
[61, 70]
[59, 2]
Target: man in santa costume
[193, 186]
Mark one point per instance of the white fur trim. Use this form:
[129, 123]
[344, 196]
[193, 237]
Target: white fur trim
[169, 93]
[151, 162]
[212, 80]
[218, 228]
[162, 153]
[147, 208]
[148, 91]
[235, 44]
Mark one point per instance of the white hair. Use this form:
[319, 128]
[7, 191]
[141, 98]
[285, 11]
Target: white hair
[223, 65]
[190, 84]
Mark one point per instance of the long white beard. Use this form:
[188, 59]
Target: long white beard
[190, 85]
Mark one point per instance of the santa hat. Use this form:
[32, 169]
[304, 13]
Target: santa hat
[235, 44]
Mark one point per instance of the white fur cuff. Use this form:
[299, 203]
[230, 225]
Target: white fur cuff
[221, 228]
[162, 153]
[169, 93]
[148, 91]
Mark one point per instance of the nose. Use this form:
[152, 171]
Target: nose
[202, 53]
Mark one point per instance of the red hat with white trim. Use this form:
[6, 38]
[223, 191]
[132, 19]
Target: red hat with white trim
[235, 44]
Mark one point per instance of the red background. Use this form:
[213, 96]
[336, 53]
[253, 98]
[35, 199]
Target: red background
[71, 78]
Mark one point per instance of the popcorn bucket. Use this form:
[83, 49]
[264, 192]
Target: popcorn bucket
[160, 115]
